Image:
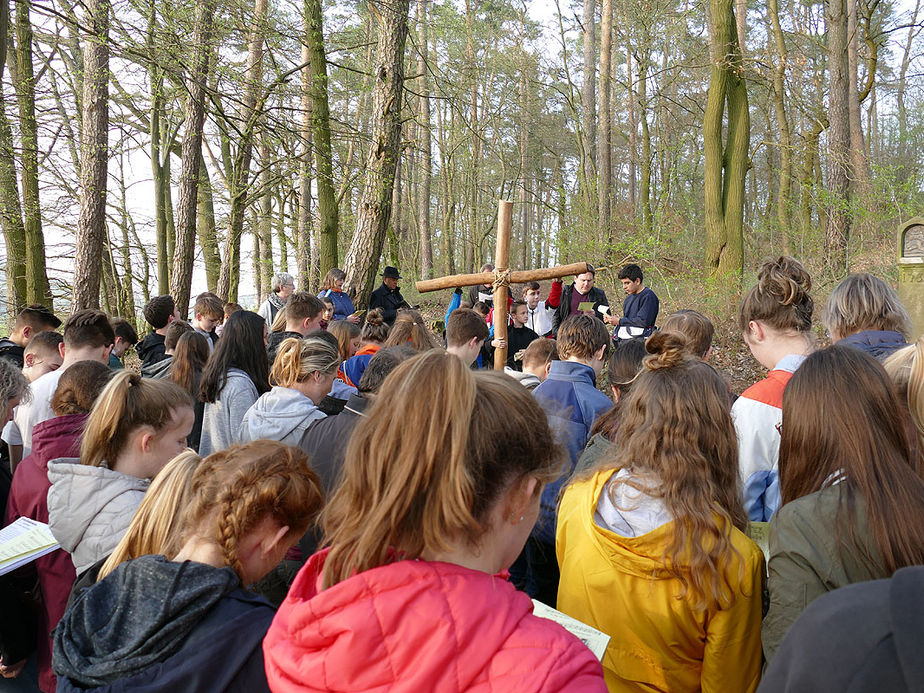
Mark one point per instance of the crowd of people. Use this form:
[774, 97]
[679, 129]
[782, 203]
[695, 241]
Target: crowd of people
[311, 497]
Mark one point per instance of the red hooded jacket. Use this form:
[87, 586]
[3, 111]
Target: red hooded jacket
[420, 626]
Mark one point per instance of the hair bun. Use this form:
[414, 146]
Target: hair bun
[665, 350]
[375, 317]
[785, 279]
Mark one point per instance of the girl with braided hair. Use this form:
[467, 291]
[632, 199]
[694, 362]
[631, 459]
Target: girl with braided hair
[650, 542]
[182, 619]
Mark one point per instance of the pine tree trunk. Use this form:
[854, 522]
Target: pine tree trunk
[191, 158]
[328, 212]
[589, 103]
[604, 120]
[362, 260]
[426, 146]
[838, 206]
[94, 156]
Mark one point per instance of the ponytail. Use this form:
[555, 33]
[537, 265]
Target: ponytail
[156, 526]
[125, 404]
[297, 359]
[407, 494]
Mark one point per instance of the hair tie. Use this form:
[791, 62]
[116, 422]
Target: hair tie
[413, 323]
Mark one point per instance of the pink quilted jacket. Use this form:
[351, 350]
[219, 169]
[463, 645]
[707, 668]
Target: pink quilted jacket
[420, 626]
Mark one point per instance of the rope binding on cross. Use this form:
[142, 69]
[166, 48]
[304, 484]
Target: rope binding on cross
[501, 277]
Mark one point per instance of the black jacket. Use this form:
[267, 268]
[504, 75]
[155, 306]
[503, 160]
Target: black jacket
[12, 351]
[326, 440]
[564, 308]
[277, 338]
[151, 349]
[862, 638]
[389, 300]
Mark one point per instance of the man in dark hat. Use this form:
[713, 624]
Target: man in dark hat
[388, 296]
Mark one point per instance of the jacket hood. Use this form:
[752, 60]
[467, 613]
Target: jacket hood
[157, 369]
[281, 414]
[419, 626]
[79, 493]
[528, 380]
[135, 617]
[58, 437]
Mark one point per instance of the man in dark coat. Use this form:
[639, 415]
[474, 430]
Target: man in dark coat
[388, 296]
[582, 290]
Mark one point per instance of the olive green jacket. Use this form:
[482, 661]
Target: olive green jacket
[811, 553]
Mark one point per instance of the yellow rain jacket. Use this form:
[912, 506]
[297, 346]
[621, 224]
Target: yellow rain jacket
[658, 642]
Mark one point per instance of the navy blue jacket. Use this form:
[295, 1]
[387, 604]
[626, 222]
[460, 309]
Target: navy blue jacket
[640, 310]
[389, 300]
[877, 343]
[343, 305]
[572, 404]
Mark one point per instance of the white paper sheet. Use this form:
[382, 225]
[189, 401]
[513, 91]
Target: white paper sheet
[595, 640]
[22, 542]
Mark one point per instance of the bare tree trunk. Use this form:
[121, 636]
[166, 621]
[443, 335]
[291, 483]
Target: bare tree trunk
[838, 207]
[859, 164]
[589, 102]
[604, 131]
[633, 127]
[265, 219]
[205, 228]
[94, 156]
[37, 289]
[784, 188]
[238, 183]
[726, 166]
[374, 211]
[426, 146]
[900, 92]
[191, 158]
[304, 165]
[645, 187]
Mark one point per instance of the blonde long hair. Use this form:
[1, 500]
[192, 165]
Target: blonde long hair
[297, 359]
[157, 523]
[125, 404]
[474, 435]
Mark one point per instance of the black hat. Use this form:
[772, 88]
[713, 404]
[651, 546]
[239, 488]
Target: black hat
[391, 273]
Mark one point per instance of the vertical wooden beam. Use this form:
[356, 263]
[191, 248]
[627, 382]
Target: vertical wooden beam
[501, 265]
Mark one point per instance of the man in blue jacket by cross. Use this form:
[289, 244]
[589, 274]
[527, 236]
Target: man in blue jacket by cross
[640, 309]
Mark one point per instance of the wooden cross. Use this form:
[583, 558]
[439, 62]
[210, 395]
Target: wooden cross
[501, 277]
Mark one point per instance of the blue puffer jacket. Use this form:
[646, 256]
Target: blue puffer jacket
[572, 403]
[877, 343]
[343, 306]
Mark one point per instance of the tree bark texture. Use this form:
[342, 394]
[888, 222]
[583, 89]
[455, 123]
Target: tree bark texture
[784, 186]
[726, 163]
[362, 260]
[94, 156]
[604, 123]
[191, 157]
[589, 101]
[838, 193]
[426, 146]
[304, 229]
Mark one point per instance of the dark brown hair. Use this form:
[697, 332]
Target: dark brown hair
[122, 328]
[581, 336]
[174, 331]
[301, 305]
[464, 325]
[622, 370]
[189, 359]
[842, 420]
[375, 329]
[88, 328]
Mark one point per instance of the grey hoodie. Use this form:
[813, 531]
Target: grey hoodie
[281, 414]
[222, 418]
[90, 508]
[157, 369]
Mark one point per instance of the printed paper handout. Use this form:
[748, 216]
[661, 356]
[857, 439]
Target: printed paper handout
[22, 542]
[595, 640]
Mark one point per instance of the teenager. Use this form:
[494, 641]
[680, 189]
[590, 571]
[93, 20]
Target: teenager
[234, 377]
[519, 336]
[622, 371]
[466, 333]
[43, 355]
[373, 336]
[850, 484]
[349, 337]
[283, 286]
[537, 361]
[160, 369]
[571, 402]
[640, 308]
[388, 296]
[189, 360]
[125, 338]
[414, 578]
[483, 293]
[581, 290]
[88, 336]
[540, 314]
[865, 313]
[303, 314]
[185, 621]
[651, 545]
[332, 289]
[135, 428]
[207, 315]
[31, 321]
[775, 319]
[159, 312]
[697, 329]
[302, 375]
[55, 438]
[410, 329]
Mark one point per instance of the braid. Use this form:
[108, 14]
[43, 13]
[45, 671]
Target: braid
[237, 488]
